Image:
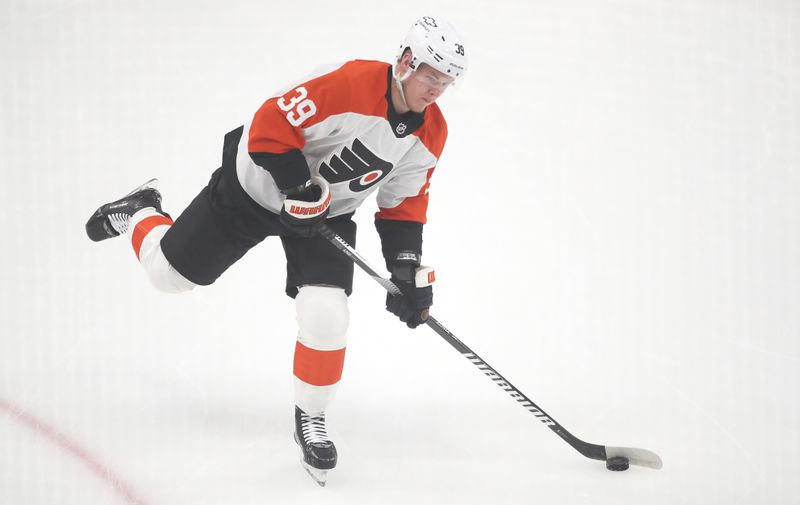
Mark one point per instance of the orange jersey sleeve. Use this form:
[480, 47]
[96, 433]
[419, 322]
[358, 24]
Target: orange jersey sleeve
[278, 125]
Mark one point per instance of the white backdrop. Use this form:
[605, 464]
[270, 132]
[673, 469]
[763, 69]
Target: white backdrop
[614, 225]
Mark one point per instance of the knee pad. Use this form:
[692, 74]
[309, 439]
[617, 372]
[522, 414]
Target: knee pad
[161, 274]
[164, 276]
[322, 317]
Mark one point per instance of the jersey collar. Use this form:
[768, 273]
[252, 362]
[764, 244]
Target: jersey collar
[402, 124]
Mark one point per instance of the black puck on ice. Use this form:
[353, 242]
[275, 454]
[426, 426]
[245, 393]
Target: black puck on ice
[617, 463]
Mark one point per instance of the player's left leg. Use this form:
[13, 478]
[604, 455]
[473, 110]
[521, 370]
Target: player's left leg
[320, 282]
[322, 319]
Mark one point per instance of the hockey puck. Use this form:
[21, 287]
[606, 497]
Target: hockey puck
[617, 463]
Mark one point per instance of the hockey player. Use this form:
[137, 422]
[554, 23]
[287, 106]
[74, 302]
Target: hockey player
[311, 155]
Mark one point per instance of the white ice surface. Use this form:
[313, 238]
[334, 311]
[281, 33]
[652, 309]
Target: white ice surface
[615, 226]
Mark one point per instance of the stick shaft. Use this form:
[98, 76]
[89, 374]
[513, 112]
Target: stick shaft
[592, 451]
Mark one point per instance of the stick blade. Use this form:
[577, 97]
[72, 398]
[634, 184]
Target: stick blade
[639, 457]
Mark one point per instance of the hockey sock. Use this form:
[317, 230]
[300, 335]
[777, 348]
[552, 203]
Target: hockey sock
[143, 223]
[322, 318]
[317, 374]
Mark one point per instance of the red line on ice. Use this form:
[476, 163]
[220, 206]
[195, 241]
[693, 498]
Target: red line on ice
[91, 462]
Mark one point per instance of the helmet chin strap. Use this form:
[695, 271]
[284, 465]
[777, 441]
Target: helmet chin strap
[399, 80]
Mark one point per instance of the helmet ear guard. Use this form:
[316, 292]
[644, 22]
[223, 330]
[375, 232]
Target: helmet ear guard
[410, 70]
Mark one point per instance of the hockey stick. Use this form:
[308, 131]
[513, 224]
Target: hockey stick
[613, 456]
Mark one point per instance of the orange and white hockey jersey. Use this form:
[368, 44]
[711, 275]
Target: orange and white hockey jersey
[340, 124]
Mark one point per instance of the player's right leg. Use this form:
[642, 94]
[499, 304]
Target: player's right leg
[139, 217]
[218, 227]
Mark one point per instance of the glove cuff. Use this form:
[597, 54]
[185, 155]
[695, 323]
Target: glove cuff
[397, 237]
[424, 277]
[302, 210]
[414, 276]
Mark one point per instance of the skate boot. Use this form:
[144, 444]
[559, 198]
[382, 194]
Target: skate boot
[319, 453]
[113, 219]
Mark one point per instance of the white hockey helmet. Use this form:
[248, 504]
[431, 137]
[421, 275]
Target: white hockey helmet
[435, 42]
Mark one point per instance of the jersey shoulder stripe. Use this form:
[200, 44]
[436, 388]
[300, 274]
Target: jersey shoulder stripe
[433, 133]
[356, 86]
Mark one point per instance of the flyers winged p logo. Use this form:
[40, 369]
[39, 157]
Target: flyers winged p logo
[357, 164]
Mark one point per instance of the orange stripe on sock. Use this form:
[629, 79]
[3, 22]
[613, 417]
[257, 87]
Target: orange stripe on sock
[318, 368]
[144, 227]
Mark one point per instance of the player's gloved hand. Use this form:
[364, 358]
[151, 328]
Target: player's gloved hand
[306, 207]
[416, 285]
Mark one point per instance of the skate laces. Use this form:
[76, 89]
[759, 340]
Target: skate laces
[119, 222]
[314, 428]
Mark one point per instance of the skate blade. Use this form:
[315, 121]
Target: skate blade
[152, 183]
[319, 476]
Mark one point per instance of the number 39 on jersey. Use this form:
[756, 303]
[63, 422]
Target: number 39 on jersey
[299, 107]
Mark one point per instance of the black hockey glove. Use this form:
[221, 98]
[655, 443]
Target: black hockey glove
[416, 285]
[306, 207]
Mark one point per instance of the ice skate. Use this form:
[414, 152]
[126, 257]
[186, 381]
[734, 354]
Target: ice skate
[319, 453]
[113, 219]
